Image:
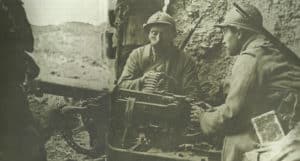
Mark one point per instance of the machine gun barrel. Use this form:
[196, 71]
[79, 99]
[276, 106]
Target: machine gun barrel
[70, 87]
[282, 47]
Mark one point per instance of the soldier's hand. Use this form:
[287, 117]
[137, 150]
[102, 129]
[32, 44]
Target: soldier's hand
[196, 112]
[207, 107]
[166, 81]
[161, 83]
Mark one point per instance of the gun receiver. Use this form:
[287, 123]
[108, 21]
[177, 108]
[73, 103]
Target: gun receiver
[151, 105]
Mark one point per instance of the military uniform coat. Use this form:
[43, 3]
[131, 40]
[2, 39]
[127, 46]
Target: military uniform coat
[174, 63]
[261, 78]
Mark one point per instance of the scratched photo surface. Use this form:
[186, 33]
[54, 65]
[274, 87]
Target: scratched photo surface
[103, 91]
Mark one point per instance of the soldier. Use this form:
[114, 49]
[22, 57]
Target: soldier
[127, 18]
[262, 78]
[19, 138]
[159, 64]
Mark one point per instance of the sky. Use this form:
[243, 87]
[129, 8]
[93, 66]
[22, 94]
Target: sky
[53, 12]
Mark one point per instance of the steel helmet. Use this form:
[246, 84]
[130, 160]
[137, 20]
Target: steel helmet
[236, 18]
[160, 18]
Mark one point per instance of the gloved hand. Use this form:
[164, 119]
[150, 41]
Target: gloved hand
[196, 113]
[166, 82]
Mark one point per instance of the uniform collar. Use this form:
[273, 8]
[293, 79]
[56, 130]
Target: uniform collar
[248, 42]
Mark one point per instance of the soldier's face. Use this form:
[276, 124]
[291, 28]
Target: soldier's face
[160, 36]
[231, 41]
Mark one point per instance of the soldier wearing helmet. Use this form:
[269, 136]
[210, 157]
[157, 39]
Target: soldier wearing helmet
[159, 65]
[263, 79]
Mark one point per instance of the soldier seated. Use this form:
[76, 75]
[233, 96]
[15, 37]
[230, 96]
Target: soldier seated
[159, 65]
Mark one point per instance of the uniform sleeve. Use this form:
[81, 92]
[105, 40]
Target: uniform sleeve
[242, 81]
[131, 75]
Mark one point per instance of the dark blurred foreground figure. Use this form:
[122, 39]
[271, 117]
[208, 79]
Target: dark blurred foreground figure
[19, 138]
[263, 79]
[159, 65]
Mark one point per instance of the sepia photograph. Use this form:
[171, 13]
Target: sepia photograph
[150, 80]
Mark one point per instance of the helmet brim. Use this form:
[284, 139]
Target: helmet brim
[223, 25]
[148, 25]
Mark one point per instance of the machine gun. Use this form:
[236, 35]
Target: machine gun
[138, 125]
[128, 124]
[135, 109]
[153, 126]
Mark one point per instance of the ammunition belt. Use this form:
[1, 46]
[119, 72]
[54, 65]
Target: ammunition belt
[152, 84]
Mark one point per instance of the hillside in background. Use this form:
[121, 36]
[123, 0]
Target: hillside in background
[75, 51]
[72, 50]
